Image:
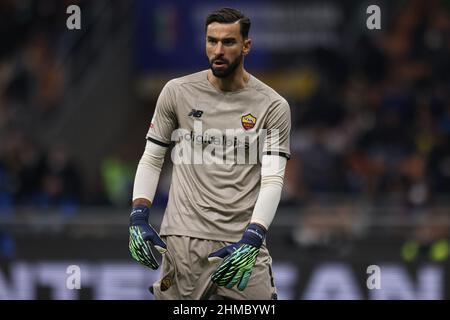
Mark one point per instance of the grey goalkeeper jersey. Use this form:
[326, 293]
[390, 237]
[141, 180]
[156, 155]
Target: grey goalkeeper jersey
[219, 139]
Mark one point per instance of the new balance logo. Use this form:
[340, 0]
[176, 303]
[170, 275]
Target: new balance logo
[195, 113]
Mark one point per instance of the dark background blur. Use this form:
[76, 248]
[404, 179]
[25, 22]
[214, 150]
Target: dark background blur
[369, 178]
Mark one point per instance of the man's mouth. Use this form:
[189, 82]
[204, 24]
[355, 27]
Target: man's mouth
[219, 63]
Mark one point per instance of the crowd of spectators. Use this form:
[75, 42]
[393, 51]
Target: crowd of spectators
[378, 125]
[32, 84]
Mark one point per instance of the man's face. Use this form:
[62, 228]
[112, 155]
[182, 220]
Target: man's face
[225, 47]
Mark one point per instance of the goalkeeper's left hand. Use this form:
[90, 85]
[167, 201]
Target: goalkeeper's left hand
[240, 258]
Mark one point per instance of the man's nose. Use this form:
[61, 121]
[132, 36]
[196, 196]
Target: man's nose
[218, 50]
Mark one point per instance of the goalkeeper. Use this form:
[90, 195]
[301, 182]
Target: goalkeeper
[212, 237]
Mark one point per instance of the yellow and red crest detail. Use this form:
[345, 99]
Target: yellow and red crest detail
[166, 283]
[248, 121]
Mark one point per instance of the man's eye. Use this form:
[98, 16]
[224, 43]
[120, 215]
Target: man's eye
[228, 42]
[212, 41]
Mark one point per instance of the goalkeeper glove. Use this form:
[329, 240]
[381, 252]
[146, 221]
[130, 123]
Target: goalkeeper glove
[240, 258]
[142, 236]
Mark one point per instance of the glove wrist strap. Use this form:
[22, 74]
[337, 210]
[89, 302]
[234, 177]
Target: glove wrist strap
[254, 235]
[139, 213]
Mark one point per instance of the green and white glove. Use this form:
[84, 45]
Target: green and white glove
[238, 259]
[143, 237]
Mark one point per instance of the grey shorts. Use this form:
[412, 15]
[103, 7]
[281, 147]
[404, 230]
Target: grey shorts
[186, 273]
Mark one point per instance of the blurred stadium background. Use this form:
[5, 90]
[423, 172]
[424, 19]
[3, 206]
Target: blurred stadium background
[368, 183]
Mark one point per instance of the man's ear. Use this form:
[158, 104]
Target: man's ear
[247, 46]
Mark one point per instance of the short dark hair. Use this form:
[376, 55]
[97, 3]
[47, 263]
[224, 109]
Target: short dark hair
[229, 15]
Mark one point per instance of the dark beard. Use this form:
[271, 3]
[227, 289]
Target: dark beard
[227, 71]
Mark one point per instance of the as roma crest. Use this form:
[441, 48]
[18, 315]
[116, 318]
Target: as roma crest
[166, 283]
[248, 121]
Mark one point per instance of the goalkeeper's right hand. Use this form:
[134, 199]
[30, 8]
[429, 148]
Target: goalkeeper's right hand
[142, 237]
